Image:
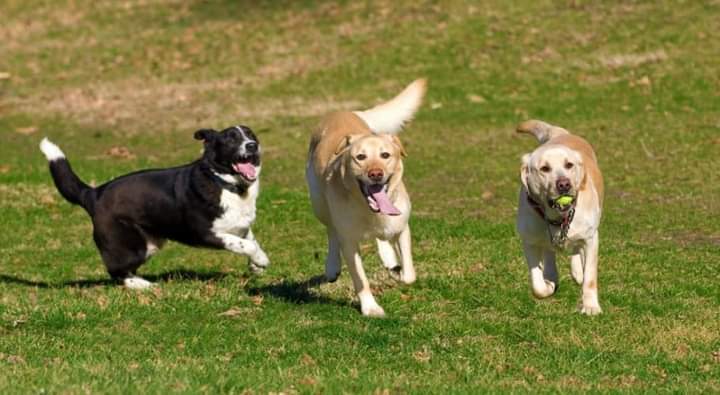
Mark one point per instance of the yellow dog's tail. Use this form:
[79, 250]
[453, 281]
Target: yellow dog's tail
[543, 131]
[389, 117]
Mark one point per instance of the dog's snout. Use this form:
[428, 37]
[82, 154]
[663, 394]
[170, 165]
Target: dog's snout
[375, 174]
[251, 147]
[563, 185]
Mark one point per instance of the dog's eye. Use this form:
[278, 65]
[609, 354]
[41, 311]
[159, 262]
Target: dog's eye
[385, 155]
[361, 157]
[569, 165]
[545, 169]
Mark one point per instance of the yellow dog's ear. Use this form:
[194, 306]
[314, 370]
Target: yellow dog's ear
[335, 165]
[336, 162]
[525, 170]
[398, 143]
[344, 144]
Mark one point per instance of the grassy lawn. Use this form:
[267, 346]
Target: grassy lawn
[123, 85]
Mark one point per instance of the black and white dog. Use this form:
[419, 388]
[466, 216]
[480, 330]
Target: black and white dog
[208, 203]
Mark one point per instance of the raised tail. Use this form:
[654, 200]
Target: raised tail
[389, 117]
[67, 182]
[543, 131]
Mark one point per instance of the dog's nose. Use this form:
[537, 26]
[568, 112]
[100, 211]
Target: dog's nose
[375, 175]
[563, 185]
[251, 147]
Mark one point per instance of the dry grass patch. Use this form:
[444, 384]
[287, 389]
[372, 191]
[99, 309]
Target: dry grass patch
[632, 59]
[133, 105]
[24, 196]
[15, 33]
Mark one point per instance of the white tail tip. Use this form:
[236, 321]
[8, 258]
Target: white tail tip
[389, 117]
[52, 152]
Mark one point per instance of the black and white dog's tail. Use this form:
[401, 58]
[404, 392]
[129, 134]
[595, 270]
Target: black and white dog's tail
[67, 182]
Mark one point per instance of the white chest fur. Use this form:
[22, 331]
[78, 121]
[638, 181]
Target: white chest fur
[239, 212]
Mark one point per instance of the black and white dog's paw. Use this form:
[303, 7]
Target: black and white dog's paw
[137, 283]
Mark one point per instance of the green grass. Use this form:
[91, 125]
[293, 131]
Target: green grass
[637, 79]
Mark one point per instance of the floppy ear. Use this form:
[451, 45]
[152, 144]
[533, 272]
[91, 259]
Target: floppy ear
[525, 170]
[344, 144]
[341, 148]
[205, 134]
[336, 163]
[399, 144]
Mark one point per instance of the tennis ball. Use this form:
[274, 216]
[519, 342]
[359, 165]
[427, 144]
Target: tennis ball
[564, 200]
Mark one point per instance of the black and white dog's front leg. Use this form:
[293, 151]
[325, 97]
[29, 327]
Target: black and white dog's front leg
[244, 246]
[259, 260]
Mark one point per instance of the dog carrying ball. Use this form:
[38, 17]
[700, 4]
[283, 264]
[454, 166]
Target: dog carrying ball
[564, 200]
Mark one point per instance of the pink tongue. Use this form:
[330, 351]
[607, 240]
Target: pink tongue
[246, 169]
[383, 201]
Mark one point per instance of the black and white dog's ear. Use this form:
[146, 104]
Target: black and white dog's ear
[205, 134]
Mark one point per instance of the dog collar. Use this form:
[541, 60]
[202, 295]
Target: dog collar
[563, 223]
[228, 186]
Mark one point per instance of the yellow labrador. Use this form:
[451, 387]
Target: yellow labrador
[354, 173]
[563, 165]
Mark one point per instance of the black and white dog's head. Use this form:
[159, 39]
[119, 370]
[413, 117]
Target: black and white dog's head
[233, 153]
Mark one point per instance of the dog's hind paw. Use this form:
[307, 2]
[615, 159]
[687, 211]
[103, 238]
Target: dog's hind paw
[369, 307]
[332, 277]
[576, 269]
[332, 270]
[137, 283]
[548, 288]
[405, 277]
[590, 309]
[373, 311]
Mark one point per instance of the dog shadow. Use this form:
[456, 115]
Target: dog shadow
[297, 292]
[172, 275]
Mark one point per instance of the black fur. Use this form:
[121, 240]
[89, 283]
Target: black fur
[178, 203]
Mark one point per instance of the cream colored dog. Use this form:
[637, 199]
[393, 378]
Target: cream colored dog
[563, 165]
[354, 173]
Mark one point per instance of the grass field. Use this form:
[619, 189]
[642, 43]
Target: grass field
[123, 85]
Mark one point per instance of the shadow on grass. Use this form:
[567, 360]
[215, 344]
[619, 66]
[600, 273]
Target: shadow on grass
[297, 292]
[162, 277]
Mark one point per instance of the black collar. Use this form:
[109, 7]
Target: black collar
[239, 189]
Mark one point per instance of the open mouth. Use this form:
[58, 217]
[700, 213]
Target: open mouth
[378, 199]
[245, 167]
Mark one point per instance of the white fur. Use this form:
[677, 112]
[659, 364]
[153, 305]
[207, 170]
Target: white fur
[229, 178]
[233, 227]
[151, 249]
[52, 152]
[234, 179]
[389, 117]
[239, 211]
[137, 283]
